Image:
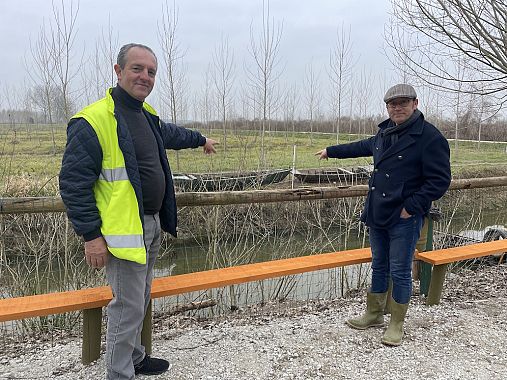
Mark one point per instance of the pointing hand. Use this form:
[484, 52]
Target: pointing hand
[322, 154]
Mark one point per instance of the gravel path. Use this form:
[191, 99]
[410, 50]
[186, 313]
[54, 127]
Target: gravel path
[464, 337]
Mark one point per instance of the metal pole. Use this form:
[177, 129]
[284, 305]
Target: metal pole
[293, 165]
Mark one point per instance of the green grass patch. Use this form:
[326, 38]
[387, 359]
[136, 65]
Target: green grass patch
[35, 151]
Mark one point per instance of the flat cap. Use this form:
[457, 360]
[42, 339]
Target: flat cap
[401, 90]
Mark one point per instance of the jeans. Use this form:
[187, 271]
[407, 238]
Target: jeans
[392, 253]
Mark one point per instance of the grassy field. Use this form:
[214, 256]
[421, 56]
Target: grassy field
[31, 156]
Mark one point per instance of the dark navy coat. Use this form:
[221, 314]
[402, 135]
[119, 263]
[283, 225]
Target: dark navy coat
[82, 164]
[411, 173]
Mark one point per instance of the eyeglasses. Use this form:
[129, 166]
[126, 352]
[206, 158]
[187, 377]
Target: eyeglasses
[399, 103]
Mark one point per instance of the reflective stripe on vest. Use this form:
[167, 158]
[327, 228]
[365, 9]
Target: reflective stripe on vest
[115, 197]
[124, 241]
[110, 175]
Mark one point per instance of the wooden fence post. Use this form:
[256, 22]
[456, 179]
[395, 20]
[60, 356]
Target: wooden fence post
[425, 268]
[436, 284]
[92, 331]
[146, 333]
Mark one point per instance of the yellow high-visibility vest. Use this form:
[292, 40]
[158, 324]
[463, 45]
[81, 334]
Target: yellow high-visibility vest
[115, 197]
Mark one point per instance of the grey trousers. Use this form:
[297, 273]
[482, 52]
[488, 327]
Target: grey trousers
[131, 286]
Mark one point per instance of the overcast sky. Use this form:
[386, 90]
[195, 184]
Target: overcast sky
[309, 32]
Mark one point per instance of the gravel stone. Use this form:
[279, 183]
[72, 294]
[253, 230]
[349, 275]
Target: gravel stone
[462, 338]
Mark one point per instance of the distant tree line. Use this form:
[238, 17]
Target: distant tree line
[458, 66]
[493, 130]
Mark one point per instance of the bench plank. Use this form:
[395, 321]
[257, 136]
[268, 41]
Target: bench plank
[441, 257]
[53, 303]
[91, 298]
[216, 278]
[465, 252]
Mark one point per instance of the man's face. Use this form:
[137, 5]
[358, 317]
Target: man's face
[138, 75]
[400, 109]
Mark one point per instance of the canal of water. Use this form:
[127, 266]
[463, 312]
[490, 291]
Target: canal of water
[191, 255]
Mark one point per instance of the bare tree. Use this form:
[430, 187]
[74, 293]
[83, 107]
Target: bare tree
[13, 102]
[264, 74]
[363, 97]
[340, 64]
[173, 83]
[429, 35]
[290, 105]
[62, 36]
[206, 115]
[223, 80]
[44, 100]
[109, 47]
[41, 72]
[460, 71]
[485, 113]
[312, 96]
[351, 104]
[172, 57]
[99, 73]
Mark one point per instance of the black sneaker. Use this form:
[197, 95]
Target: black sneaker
[151, 366]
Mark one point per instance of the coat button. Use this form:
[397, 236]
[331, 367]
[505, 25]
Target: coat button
[387, 175]
[376, 147]
[383, 194]
[376, 170]
[400, 157]
[373, 187]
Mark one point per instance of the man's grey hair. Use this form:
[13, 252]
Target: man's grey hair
[122, 55]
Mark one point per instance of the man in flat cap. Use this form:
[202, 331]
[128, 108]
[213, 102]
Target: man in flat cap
[411, 169]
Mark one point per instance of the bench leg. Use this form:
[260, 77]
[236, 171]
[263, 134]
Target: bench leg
[92, 326]
[425, 243]
[424, 277]
[436, 284]
[146, 332]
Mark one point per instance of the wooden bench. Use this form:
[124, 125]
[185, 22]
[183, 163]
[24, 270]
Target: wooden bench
[92, 300]
[441, 257]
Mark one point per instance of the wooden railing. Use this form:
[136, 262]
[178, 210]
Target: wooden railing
[55, 204]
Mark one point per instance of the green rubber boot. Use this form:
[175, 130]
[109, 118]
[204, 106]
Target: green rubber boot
[394, 332]
[374, 316]
[387, 308]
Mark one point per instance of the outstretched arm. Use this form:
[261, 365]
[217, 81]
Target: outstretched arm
[176, 137]
[362, 148]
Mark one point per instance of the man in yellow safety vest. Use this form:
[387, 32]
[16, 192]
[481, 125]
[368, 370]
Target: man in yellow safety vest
[117, 187]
